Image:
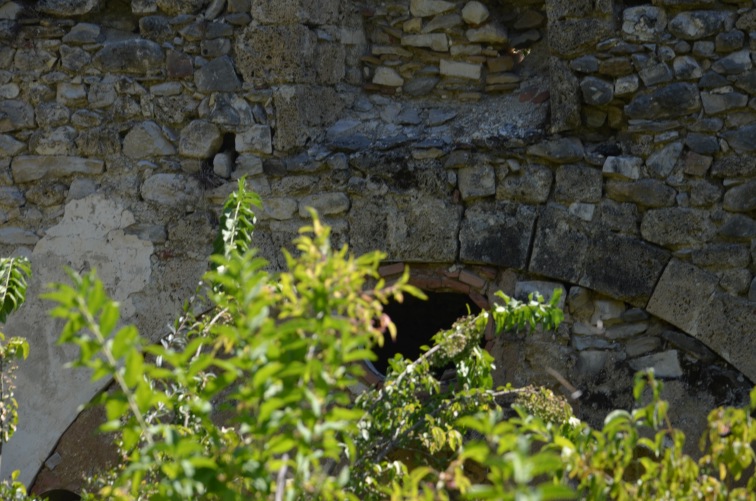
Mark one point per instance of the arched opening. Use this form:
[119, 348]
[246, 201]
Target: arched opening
[417, 321]
[60, 495]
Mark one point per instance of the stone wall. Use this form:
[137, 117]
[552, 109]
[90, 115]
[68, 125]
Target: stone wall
[589, 146]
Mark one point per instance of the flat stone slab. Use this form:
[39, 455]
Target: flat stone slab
[34, 167]
[683, 291]
[497, 234]
[622, 267]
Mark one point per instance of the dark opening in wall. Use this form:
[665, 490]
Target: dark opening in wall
[60, 495]
[417, 321]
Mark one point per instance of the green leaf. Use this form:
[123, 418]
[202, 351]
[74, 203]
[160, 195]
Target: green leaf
[14, 274]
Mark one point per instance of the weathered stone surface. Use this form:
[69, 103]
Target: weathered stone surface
[427, 8]
[56, 141]
[578, 183]
[625, 85]
[703, 144]
[292, 11]
[626, 330]
[565, 96]
[32, 168]
[674, 100]
[531, 185]
[11, 196]
[65, 8]
[666, 365]
[558, 235]
[17, 236]
[387, 76]
[722, 256]
[83, 33]
[644, 23]
[523, 290]
[176, 7]
[622, 167]
[570, 37]
[743, 139]
[734, 64]
[596, 91]
[475, 13]
[15, 114]
[217, 76]
[424, 230]
[147, 140]
[695, 25]
[420, 86]
[677, 226]
[497, 234]
[170, 189]
[714, 103]
[686, 68]
[289, 54]
[255, 139]
[663, 161]
[476, 181]
[9, 146]
[741, 198]
[324, 204]
[622, 267]
[564, 150]
[641, 345]
[681, 295]
[703, 193]
[645, 192]
[738, 227]
[436, 41]
[725, 324]
[100, 142]
[89, 236]
[280, 208]
[200, 139]
[459, 69]
[130, 56]
[301, 111]
[734, 166]
[490, 33]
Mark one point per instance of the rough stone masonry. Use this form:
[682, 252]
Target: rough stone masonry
[599, 148]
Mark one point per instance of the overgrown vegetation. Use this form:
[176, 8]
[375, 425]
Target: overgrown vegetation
[255, 394]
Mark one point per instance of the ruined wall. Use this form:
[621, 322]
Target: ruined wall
[591, 146]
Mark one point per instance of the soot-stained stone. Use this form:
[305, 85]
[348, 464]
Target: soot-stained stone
[674, 100]
[497, 234]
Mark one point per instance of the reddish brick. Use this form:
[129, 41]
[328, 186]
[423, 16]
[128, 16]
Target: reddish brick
[452, 273]
[488, 272]
[472, 279]
[479, 299]
[391, 269]
[426, 283]
[455, 285]
[542, 97]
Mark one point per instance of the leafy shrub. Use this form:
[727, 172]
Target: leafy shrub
[256, 394]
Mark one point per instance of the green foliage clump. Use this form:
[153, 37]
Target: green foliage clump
[257, 394]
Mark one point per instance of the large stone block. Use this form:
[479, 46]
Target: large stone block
[295, 11]
[147, 140]
[288, 54]
[565, 96]
[302, 111]
[497, 234]
[407, 228]
[675, 226]
[531, 185]
[623, 267]
[30, 168]
[570, 37]
[727, 324]
[133, 55]
[683, 292]
[578, 183]
[560, 247]
[66, 8]
[673, 100]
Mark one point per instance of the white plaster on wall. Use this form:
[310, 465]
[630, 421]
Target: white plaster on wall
[49, 394]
